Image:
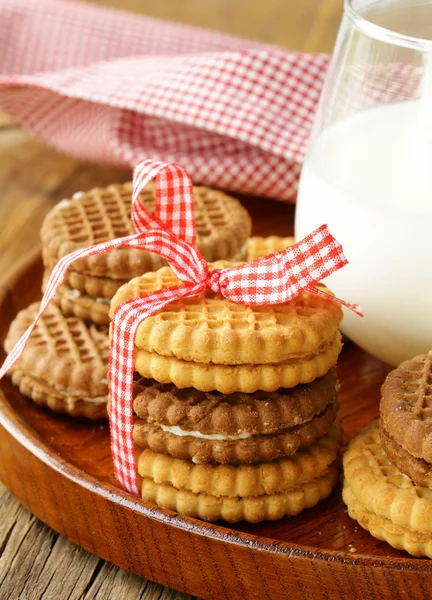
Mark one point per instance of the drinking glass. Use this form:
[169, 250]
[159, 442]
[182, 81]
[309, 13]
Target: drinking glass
[368, 173]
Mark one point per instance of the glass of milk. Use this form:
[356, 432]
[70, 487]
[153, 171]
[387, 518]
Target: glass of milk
[368, 173]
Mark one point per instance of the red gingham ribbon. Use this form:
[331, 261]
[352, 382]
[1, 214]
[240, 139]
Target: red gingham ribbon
[171, 233]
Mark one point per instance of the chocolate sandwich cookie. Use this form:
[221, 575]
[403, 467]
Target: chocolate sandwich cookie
[233, 428]
[102, 214]
[64, 365]
[406, 418]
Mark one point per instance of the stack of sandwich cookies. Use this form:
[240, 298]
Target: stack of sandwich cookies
[64, 364]
[387, 467]
[233, 389]
[102, 214]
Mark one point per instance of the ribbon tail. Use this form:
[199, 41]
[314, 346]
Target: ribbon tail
[315, 290]
[125, 323]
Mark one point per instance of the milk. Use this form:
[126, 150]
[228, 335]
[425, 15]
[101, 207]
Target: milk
[370, 178]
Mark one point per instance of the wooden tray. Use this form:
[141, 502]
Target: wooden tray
[60, 469]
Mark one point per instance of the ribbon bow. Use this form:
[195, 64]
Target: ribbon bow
[171, 233]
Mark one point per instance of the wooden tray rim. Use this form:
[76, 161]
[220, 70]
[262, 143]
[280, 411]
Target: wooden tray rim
[28, 438]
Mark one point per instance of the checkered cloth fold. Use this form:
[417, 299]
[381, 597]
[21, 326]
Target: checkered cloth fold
[171, 233]
[118, 88]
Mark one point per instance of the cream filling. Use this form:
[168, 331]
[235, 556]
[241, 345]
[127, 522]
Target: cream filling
[96, 399]
[175, 430]
[74, 294]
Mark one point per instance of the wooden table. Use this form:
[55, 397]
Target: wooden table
[35, 562]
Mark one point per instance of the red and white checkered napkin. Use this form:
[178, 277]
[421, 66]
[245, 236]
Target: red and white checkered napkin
[118, 88]
[171, 233]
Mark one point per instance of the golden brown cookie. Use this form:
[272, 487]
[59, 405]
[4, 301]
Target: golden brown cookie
[262, 246]
[211, 329]
[273, 477]
[233, 509]
[234, 449]
[64, 359]
[228, 379]
[102, 214]
[381, 488]
[406, 406]
[417, 469]
[401, 538]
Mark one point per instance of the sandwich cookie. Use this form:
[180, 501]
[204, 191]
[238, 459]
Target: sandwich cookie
[64, 365]
[406, 418]
[102, 214]
[234, 428]
[383, 499]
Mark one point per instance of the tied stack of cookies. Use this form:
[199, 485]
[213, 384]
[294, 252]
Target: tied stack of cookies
[388, 465]
[236, 410]
[64, 365]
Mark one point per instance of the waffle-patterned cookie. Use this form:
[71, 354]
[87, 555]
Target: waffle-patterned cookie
[212, 329]
[102, 214]
[417, 469]
[406, 406]
[401, 538]
[215, 413]
[381, 488]
[262, 246]
[252, 508]
[241, 481]
[241, 448]
[229, 379]
[64, 357]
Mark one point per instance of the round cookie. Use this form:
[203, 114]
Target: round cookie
[417, 469]
[263, 246]
[211, 329]
[406, 406]
[233, 428]
[46, 396]
[244, 480]
[241, 448]
[215, 413]
[401, 538]
[228, 379]
[233, 509]
[381, 488]
[102, 214]
[64, 364]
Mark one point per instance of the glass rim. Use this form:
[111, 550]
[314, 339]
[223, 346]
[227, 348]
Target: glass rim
[383, 34]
